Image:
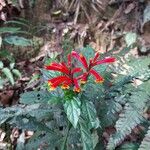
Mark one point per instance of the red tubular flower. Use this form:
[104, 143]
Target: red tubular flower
[67, 79]
[75, 70]
[106, 60]
[99, 78]
[56, 68]
[96, 56]
[81, 58]
[76, 87]
[83, 78]
[93, 62]
[54, 82]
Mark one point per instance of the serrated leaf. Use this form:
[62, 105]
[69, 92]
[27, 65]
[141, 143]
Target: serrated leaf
[130, 38]
[128, 120]
[1, 65]
[145, 145]
[8, 74]
[16, 72]
[90, 112]
[18, 41]
[72, 108]
[86, 136]
[140, 68]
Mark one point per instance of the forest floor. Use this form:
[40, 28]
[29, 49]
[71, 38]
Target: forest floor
[64, 31]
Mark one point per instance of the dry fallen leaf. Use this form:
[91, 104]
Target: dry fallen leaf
[129, 8]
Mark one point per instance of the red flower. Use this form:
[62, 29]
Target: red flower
[99, 78]
[88, 66]
[67, 79]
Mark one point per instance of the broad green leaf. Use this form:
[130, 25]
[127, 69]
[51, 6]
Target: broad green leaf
[35, 97]
[90, 111]
[16, 72]
[86, 136]
[9, 30]
[72, 108]
[1, 65]
[18, 41]
[130, 38]
[8, 74]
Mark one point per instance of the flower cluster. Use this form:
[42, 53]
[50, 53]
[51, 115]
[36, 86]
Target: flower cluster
[68, 78]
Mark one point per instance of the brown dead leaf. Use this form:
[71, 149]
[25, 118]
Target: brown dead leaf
[6, 96]
[129, 8]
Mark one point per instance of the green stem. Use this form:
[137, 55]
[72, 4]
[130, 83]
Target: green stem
[65, 140]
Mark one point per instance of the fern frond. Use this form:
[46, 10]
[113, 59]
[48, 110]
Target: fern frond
[108, 112]
[140, 68]
[128, 120]
[131, 116]
[145, 145]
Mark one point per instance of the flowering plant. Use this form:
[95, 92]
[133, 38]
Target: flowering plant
[72, 80]
[68, 78]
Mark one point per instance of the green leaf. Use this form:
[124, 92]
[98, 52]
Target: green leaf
[95, 138]
[12, 65]
[9, 30]
[128, 120]
[1, 65]
[145, 145]
[86, 136]
[130, 38]
[90, 112]
[8, 74]
[21, 23]
[140, 68]
[18, 41]
[128, 146]
[88, 52]
[72, 108]
[35, 97]
[16, 72]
